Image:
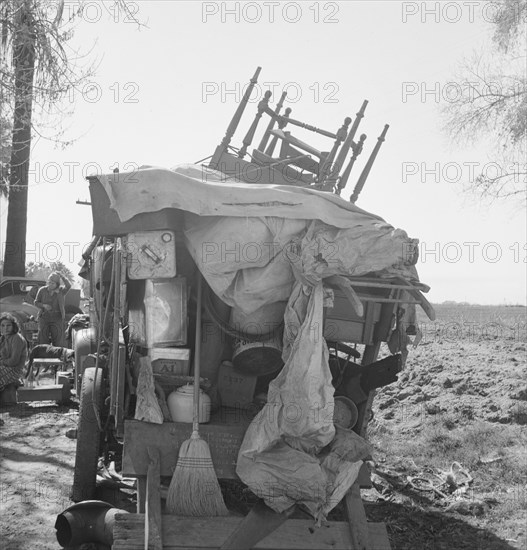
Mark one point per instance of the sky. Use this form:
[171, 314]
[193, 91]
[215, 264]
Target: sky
[163, 94]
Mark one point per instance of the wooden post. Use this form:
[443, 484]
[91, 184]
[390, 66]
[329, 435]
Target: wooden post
[282, 123]
[141, 494]
[153, 532]
[114, 354]
[357, 521]
[366, 171]
[369, 356]
[247, 140]
[341, 159]
[357, 150]
[222, 148]
[327, 168]
[270, 126]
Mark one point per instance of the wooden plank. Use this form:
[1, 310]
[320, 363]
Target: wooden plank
[119, 402]
[47, 362]
[8, 396]
[373, 311]
[357, 521]
[141, 494]
[153, 521]
[423, 302]
[224, 441]
[388, 300]
[210, 533]
[259, 523]
[50, 392]
[386, 320]
[369, 356]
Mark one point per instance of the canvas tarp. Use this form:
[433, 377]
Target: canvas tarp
[205, 192]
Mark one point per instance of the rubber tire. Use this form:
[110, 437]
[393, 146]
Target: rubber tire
[85, 344]
[88, 436]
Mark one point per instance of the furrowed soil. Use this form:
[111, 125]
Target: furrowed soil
[450, 441]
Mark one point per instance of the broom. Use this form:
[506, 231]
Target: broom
[194, 489]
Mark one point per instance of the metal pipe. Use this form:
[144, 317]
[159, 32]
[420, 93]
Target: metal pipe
[88, 521]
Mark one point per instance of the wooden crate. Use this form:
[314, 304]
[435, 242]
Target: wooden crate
[151, 455]
[224, 435]
[51, 392]
[342, 324]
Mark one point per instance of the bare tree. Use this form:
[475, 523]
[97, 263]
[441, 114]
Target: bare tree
[36, 70]
[5, 150]
[42, 270]
[491, 106]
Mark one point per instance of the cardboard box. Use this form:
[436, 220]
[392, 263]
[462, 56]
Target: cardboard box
[170, 361]
[236, 389]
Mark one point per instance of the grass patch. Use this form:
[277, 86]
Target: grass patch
[441, 441]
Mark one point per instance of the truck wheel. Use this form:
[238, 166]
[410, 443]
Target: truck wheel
[85, 343]
[88, 435]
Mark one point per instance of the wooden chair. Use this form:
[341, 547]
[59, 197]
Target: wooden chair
[297, 162]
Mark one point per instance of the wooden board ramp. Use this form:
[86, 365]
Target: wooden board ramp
[179, 533]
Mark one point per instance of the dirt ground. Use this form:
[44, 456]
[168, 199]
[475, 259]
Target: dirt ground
[36, 473]
[461, 398]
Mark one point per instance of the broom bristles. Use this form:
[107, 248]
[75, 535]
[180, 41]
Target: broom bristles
[194, 489]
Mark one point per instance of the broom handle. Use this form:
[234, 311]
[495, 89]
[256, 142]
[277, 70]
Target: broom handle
[197, 358]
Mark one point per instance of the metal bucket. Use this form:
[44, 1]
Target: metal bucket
[258, 358]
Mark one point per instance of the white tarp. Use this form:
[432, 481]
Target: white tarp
[205, 192]
[251, 262]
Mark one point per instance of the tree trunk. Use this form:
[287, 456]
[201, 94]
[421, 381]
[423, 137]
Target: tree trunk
[24, 62]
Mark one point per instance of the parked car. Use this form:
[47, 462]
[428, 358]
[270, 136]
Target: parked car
[17, 295]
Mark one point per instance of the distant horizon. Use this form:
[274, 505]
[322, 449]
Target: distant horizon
[453, 302]
[76, 284]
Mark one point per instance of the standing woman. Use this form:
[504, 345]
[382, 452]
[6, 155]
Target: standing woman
[50, 301]
[13, 351]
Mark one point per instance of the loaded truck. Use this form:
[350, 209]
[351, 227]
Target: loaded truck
[304, 295]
